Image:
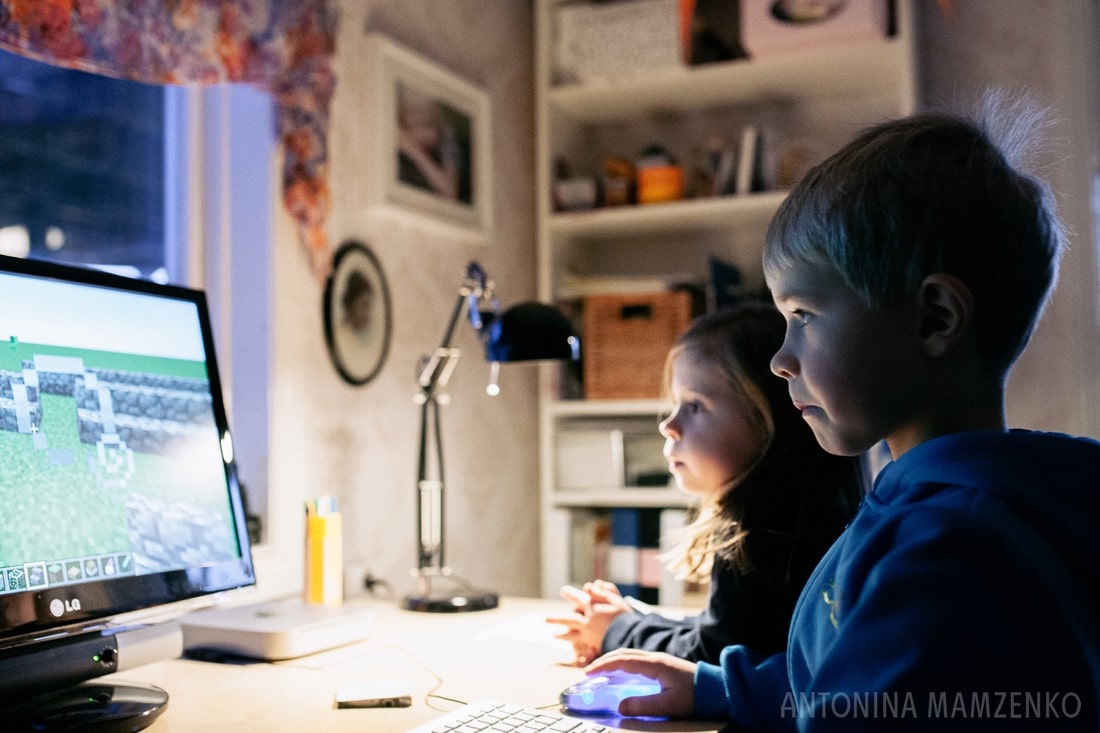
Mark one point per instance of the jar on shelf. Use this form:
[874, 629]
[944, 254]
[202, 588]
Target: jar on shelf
[660, 177]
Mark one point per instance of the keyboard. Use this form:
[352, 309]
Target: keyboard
[493, 715]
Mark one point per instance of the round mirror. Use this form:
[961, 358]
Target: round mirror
[358, 322]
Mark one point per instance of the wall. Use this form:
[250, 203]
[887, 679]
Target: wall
[1048, 49]
[359, 443]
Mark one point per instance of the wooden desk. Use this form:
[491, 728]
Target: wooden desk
[508, 654]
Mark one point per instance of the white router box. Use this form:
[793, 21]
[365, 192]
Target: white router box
[276, 630]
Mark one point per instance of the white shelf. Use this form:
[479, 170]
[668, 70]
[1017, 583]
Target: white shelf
[694, 215]
[599, 408]
[820, 95]
[644, 497]
[863, 69]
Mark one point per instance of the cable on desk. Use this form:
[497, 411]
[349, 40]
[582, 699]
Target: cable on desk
[432, 694]
[438, 680]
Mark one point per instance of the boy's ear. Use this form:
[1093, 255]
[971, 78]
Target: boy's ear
[947, 308]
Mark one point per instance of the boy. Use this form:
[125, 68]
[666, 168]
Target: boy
[911, 267]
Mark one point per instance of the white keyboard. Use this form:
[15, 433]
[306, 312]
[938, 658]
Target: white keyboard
[493, 715]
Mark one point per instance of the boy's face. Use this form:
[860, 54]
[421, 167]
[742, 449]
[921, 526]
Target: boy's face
[853, 371]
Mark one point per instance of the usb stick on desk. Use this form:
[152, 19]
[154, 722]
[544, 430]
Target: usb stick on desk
[324, 581]
[392, 694]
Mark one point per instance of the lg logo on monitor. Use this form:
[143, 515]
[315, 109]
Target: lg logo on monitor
[59, 607]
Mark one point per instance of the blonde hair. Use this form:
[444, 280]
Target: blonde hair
[708, 534]
[793, 487]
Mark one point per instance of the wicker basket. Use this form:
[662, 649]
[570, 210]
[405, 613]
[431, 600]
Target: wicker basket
[626, 339]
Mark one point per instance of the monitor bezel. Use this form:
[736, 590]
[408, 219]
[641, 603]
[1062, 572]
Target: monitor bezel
[26, 616]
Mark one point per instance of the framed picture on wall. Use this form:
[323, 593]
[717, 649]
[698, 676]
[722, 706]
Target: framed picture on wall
[429, 144]
[357, 313]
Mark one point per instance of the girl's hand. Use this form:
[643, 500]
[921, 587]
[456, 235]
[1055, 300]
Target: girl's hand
[677, 677]
[594, 609]
[602, 591]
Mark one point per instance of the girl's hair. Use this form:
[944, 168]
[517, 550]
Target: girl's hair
[793, 484]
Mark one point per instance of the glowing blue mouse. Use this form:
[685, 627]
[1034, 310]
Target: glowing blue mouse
[602, 693]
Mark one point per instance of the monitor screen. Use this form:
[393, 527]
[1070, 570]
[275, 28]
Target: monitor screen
[117, 484]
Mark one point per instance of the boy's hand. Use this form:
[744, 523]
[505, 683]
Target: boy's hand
[677, 677]
[594, 608]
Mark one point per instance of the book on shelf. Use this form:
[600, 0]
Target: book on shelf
[756, 161]
[589, 545]
[725, 164]
[622, 559]
[746, 159]
[624, 546]
[765, 161]
[650, 568]
[671, 590]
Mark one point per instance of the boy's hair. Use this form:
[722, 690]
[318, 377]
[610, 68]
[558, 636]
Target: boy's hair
[794, 488]
[935, 193]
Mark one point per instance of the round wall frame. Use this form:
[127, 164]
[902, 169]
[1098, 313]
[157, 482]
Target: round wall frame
[357, 310]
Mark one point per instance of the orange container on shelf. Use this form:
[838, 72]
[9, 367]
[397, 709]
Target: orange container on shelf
[660, 183]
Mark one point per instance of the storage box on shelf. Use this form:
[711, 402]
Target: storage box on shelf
[595, 455]
[626, 339]
[807, 100]
[609, 40]
[769, 27]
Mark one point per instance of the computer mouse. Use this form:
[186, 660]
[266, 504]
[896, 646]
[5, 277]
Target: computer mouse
[602, 693]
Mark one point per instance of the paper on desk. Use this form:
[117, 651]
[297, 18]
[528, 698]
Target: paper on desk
[531, 628]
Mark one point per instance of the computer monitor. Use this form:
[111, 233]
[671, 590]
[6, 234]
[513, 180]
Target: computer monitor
[118, 492]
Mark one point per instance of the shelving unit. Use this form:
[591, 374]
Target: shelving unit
[821, 95]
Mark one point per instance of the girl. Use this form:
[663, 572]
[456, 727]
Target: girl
[771, 501]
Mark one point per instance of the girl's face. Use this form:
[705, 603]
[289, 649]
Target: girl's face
[714, 433]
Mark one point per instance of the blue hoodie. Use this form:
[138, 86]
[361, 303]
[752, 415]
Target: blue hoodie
[964, 595]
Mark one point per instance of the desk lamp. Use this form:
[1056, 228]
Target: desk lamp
[525, 332]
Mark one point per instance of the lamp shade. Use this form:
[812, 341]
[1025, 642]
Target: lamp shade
[531, 332]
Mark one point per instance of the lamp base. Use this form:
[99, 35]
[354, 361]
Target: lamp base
[455, 603]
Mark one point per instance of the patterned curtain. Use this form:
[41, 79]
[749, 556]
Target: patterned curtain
[284, 46]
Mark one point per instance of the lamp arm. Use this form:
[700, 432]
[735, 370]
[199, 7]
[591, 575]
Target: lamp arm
[430, 495]
[436, 368]
[475, 290]
[449, 334]
[434, 373]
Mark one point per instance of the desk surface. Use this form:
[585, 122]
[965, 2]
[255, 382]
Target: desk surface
[508, 654]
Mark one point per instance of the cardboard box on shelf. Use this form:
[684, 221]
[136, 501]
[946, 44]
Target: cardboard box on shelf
[614, 39]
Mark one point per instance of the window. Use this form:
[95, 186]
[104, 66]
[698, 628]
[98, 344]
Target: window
[82, 168]
[171, 184]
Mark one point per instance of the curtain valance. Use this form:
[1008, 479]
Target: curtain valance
[283, 46]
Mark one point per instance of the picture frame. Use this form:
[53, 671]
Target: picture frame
[358, 315]
[430, 143]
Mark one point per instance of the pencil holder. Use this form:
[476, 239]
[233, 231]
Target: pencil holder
[324, 582]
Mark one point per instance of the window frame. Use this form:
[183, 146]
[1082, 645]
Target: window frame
[219, 234]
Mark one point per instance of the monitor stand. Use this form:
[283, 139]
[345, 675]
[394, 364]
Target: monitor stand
[94, 707]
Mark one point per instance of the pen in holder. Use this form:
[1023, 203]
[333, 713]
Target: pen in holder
[324, 582]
